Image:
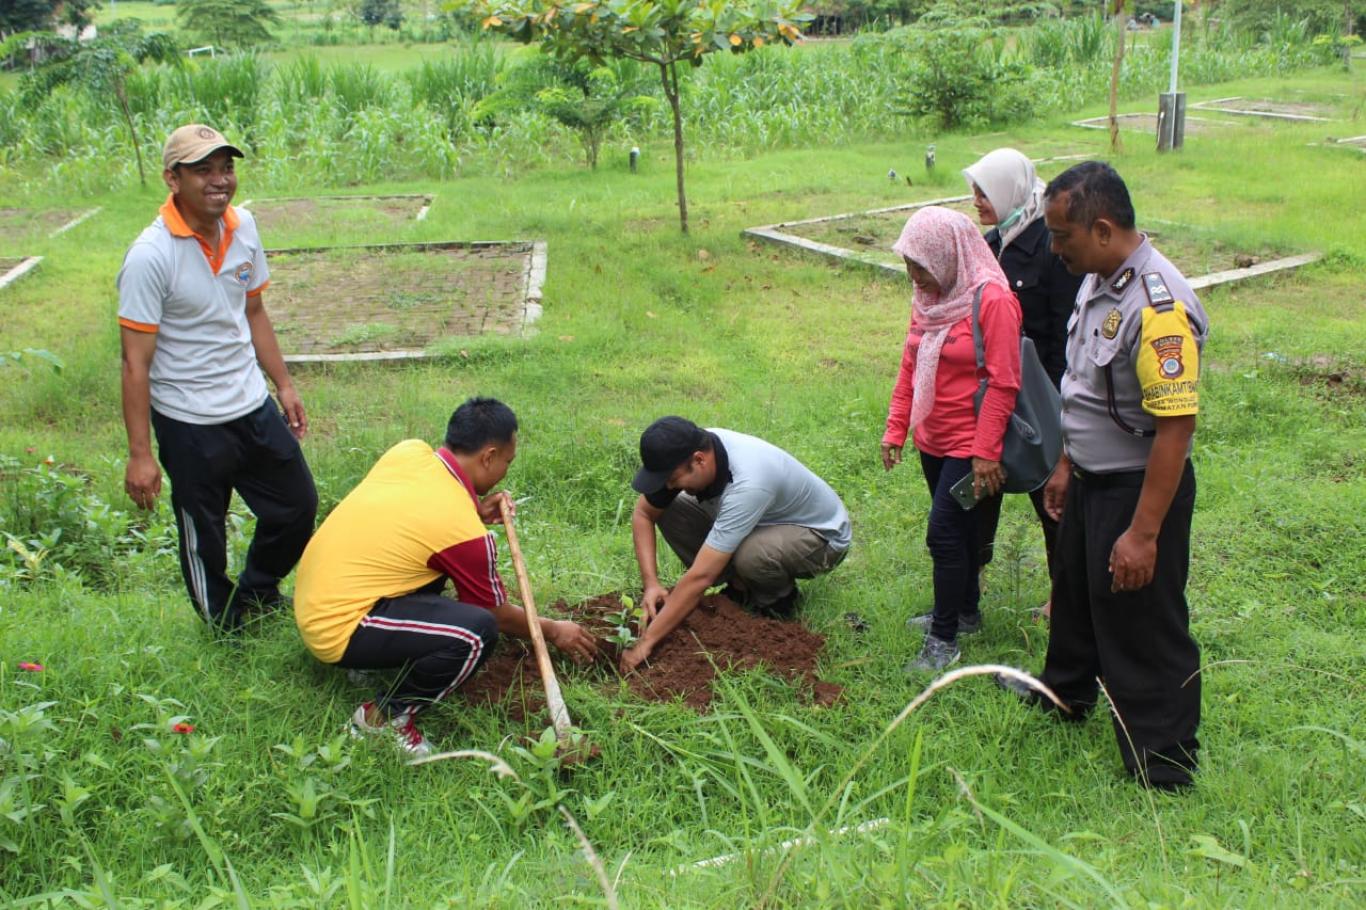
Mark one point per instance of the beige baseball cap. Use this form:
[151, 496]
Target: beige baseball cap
[194, 142]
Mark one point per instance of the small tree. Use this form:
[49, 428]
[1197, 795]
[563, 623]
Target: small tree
[585, 98]
[590, 105]
[380, 12]
[662, 33]
[101, 67]
[227, 23]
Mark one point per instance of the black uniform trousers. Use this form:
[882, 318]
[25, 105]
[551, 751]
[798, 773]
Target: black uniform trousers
[257, 456]
[438, 642]
[1137, 642]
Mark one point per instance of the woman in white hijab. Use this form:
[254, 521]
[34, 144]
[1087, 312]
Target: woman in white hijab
[1008, 196]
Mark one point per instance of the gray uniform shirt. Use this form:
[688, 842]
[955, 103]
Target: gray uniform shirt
[770, 487]
[1147, 326]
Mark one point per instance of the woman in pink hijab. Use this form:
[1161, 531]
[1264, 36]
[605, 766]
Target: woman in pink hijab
[933, 399]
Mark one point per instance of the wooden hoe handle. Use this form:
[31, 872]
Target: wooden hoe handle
[559, 714]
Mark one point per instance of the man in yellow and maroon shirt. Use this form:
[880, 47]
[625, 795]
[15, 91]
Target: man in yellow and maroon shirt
[368, 592]
[195, 336]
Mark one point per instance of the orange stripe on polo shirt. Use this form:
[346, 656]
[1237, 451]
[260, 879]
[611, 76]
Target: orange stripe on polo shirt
[175, 223]
[257, 292]
[144, 327]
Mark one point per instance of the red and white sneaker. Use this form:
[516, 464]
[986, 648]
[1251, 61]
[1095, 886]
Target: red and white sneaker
[401, 726]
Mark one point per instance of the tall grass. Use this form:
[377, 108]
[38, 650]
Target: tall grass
[799, 353]
[352, 122]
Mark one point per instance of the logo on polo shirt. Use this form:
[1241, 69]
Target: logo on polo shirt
[244, 274]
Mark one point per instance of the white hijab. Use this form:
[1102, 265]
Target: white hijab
[1006, 177]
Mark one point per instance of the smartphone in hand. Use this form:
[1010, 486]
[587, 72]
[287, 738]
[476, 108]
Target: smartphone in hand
[963, 492]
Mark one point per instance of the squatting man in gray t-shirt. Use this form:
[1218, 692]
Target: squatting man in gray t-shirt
[735, 509]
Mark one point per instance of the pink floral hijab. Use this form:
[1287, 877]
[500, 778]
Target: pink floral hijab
[947, 245]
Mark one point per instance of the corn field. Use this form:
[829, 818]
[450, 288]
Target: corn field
[310, 124]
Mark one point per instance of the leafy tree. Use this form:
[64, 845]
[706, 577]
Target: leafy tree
[380, 12]
[1323, 16]
[661, 33]
[590, 105]
[961, 74]
[101, 67]
[585, 98]
[25, 16]
[227, 23]
[41, 15]
[852, 15]
[996, 13]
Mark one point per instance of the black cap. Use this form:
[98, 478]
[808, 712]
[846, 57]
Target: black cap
[666, 444]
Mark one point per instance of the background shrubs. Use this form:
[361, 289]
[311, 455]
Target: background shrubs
[487, 107]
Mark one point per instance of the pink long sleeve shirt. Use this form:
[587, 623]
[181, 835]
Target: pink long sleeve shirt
[952, 429]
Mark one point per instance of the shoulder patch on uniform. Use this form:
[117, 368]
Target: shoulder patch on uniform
[1156, 289]
[1123, 280]
[1168, 351]
[1110, 327]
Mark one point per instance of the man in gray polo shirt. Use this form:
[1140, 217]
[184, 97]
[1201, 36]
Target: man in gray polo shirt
[734, 508]
[194, 329]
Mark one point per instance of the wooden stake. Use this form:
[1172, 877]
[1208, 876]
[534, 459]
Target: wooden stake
[559, 714]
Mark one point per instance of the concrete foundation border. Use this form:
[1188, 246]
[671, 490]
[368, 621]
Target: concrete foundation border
[774, 234]
[83, 216]
[26, 265]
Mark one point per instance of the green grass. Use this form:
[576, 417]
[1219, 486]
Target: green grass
[637, 324]
[391, 58]
[153, 15]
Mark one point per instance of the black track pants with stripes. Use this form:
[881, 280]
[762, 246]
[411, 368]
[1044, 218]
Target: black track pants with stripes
[257, 456]
[438, 642]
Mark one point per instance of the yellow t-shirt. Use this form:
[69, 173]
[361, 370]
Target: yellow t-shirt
[410, 521]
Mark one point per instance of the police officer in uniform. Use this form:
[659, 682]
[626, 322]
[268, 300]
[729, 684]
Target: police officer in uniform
[1124, 489]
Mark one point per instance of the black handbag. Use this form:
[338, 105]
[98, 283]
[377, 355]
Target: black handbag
[1033, 440]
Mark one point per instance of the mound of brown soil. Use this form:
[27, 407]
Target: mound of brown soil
[718, 634]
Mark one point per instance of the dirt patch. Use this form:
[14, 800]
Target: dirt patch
[398, 298]
[509, 678]
[1269, 106]
[871, 235]
[718, 634]
[1147, 123]
[645, 225]
[1330, 378]
[19, 225]
[363, 216]
[1194, 252]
